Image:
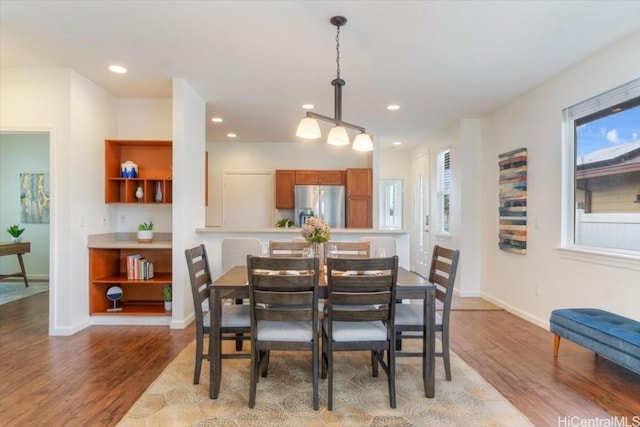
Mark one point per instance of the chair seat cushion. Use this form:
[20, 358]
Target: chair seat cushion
[358, 331]
[269, 330]
[233, 316]
[412, 314]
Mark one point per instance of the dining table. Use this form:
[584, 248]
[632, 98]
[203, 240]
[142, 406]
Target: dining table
[233, 284]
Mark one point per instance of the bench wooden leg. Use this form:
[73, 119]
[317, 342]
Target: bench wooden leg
[556, 345]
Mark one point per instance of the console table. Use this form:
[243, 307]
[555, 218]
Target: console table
[16, 249]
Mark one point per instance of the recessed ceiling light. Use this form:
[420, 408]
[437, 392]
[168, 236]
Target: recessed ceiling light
[216, 120]
[397, 142]
[308, 106]
[117, 69]
[393, 107]
[231, 135]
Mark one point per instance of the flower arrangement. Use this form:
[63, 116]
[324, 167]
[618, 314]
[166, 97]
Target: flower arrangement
[316, 230]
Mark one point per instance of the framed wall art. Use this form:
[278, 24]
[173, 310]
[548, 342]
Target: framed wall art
[512, 236]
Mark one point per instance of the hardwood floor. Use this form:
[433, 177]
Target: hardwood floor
[93, 377]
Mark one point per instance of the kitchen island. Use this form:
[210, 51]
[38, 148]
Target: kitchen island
[213, 236]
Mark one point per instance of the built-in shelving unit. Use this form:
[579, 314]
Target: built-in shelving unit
[108, 267]
[154, 171]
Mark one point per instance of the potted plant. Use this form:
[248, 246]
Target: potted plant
[15, 232]
[284, 223]
[145, 232]
[167, 295]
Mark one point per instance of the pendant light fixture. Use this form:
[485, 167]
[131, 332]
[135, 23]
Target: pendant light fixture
[309, 128]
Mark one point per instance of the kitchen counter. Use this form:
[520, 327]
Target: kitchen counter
[212, 237]
[128, 241]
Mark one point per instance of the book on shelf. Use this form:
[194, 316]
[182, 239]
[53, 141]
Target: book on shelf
[139, 268]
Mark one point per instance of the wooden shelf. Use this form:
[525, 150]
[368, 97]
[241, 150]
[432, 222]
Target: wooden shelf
[108, 267]
[162, 278]
[136, 308]
[154, 169]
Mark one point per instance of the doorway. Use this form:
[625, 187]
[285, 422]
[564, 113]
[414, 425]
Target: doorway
[420, 237]
[23, 154]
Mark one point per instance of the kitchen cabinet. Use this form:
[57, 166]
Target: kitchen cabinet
[154, 174]
[359, 186]
[285, 182]
[319, 177]
[108, 267]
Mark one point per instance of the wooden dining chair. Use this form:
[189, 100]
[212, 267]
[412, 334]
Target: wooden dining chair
[286, 249]
[235, 323]
[377, 243]
[283, 300]
[234, 252]
[359, 314]
[409, 321]
[349, 249]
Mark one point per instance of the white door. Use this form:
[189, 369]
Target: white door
[420, 238]
[247, 199]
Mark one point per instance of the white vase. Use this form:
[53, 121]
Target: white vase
[168, 305]
[145, 236]
[16, 239]
[159, 192]
[139, 194]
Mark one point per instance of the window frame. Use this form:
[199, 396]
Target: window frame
[441, 193]
[589, 108]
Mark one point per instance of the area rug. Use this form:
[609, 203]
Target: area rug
[284, 398]
[12, 291]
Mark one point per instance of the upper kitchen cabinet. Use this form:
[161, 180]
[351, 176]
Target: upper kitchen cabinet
[319, 177]
[359, 186]
[285, 182]
[153, 174]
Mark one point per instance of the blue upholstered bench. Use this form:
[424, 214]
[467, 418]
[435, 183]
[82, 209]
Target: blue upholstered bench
[612, 336]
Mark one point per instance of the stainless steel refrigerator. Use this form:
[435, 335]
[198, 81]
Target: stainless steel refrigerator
[322, 201]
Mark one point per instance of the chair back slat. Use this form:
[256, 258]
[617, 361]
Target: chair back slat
[286, 249]
[361, 297]
[444, 265]
[350, 249]
[200, 279]
[283, 289]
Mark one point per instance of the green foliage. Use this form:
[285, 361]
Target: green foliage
[15, 230]
[284, 223]
[145, 226]
[167, 293]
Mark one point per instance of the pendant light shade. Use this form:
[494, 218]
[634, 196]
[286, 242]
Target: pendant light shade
[363, 142]
[338, 136]
[308, 129]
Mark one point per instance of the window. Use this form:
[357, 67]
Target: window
[443, 192]
[601, 210]
[390, 204]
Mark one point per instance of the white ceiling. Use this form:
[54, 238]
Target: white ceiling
[256, 62]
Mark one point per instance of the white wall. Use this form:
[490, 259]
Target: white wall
[143, 119]
[23, 153]
[267, 157]
[77, 114]
[188, 196]
[547, 278]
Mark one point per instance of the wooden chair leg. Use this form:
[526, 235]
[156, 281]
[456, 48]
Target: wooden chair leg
[239, 341]
[391, 363]
[445, 356]
[198, 364]
[556, 345]
[254, 378]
